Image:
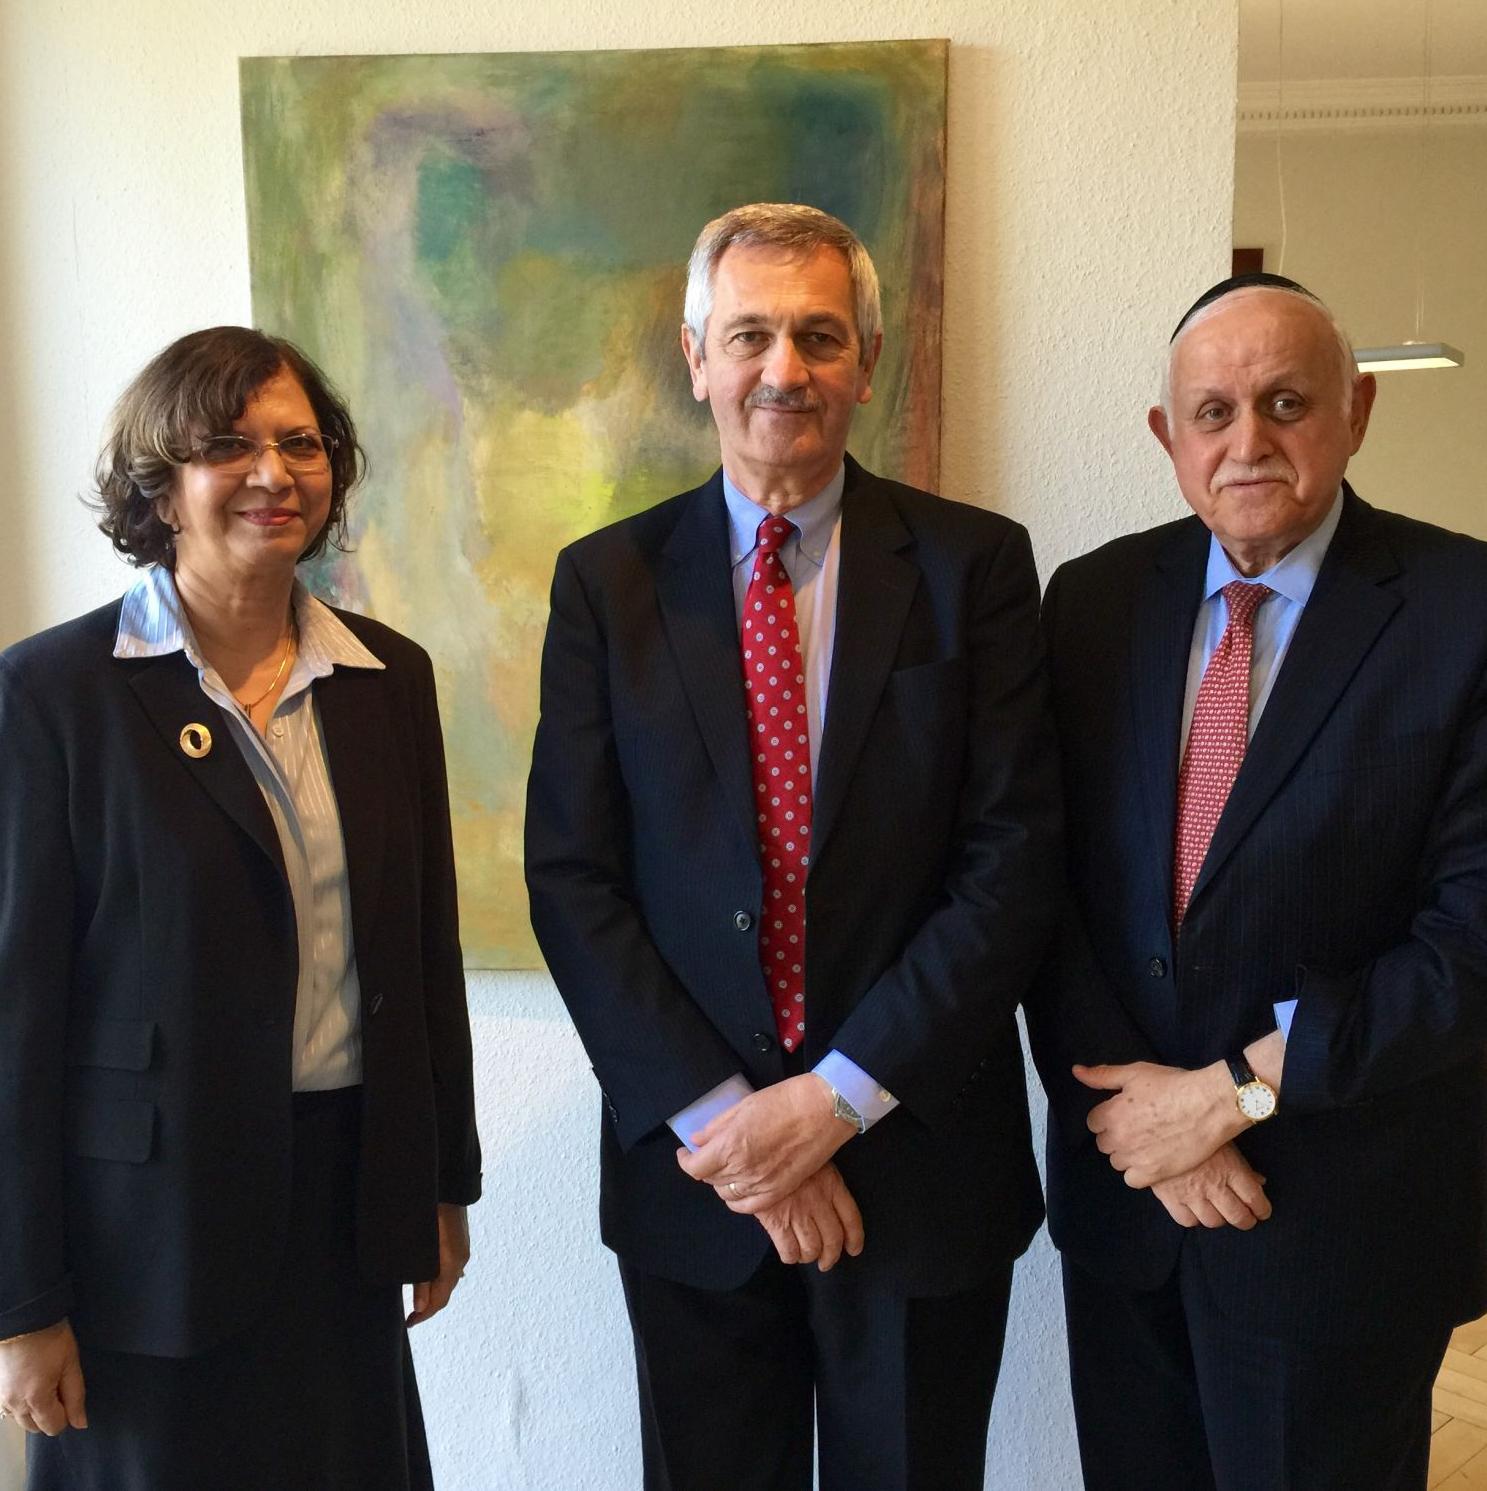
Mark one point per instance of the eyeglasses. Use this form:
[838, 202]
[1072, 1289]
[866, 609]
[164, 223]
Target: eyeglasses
[306, 451]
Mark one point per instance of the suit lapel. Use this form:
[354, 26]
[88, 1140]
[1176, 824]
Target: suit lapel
[1342, 620]
[875, 585]
[170, 691]
[694, 588]
[1165, 606]
[352, 703]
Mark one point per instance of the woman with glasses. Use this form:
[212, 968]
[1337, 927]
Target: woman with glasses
[235, 1085]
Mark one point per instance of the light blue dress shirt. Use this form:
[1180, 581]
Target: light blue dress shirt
[811, 559]
[1292, 579]
[292, 771]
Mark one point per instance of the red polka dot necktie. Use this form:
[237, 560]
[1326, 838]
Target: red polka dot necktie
[774, 678]
[1217, 740]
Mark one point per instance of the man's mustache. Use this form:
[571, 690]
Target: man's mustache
[1232, 474]
[796, 402]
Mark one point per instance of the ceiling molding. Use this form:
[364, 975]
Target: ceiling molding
[1360, 103]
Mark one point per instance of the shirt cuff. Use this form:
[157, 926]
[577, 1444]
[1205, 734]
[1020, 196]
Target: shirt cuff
[1285, 1012]
[854, 1084]
[696, 1117]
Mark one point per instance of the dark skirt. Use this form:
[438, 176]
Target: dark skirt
[319, 1396]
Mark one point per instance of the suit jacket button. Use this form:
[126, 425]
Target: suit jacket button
[763, 1043]
[1157, 968]
[742, 920]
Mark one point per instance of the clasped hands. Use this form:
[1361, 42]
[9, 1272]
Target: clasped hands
[769, 1157]
[1171, 1131]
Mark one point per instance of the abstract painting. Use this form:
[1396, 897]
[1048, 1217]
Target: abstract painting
[486, 253]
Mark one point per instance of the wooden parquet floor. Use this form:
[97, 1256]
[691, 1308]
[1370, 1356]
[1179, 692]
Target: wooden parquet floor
[1458, 1441]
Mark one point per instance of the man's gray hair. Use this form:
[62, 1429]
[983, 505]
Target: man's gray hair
[788, 226]
[1347, 364]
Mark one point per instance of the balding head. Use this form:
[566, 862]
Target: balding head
[1263, 408]
[1242, 286]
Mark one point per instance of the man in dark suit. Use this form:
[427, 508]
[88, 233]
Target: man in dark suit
[1273, 718]
[826, 1021]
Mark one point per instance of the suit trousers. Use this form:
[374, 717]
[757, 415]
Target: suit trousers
[1169, 1390]
[900, 1388]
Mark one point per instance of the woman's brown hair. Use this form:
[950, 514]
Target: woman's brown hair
[200, 385]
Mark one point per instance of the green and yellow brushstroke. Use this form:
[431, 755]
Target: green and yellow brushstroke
[486, 253]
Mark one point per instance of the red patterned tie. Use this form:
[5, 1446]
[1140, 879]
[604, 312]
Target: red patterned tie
[1217, 741]
[775, 683]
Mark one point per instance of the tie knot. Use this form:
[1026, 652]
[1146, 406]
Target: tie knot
[1243, 600]
[773, 534]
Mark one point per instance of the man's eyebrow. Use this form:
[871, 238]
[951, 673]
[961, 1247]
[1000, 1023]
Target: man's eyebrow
[811, 318]
[1283, 383]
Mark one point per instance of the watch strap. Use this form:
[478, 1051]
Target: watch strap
[1239, 1071]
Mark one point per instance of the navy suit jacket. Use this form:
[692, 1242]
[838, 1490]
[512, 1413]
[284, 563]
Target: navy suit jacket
[932, 882]
[148, 968]
[1349, 870]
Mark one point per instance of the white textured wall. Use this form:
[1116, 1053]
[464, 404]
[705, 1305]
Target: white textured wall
[1372, 255]
[1090, 157]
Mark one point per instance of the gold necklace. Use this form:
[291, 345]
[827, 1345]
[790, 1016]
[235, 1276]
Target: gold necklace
[278, 674]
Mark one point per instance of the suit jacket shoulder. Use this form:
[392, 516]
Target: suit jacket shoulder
[1132, 552]
[928, 514]
[80, 643]
[1427, 547]
[643, 533]
[407, 664]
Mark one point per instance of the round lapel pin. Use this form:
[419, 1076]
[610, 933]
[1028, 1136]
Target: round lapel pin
[196, 741]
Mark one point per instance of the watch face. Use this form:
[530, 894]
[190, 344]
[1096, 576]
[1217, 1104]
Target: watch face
[1256, 1101]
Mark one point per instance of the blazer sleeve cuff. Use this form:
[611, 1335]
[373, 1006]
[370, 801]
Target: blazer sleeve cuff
[1308, 1082]
[460, 1190]
[37, 1313]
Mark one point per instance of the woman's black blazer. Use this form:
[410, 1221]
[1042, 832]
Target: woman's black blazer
[148, 963]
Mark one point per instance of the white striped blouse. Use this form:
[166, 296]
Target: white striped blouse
[289, 764]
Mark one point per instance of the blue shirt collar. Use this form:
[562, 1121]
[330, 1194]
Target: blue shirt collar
[153, 623]
[815, 519]
[1293, 576]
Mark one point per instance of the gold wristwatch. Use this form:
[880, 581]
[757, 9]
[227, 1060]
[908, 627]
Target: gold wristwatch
[1256, 1099]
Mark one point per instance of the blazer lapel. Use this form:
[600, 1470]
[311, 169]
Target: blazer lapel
[170, 692]
[1164, 608]
[352, 703]
[875, 585]
[694, 588]
[1342, 620]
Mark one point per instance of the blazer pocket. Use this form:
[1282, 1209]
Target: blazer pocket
[934, 675]
[112, 1129]
[1405, 752]
[119, 1045]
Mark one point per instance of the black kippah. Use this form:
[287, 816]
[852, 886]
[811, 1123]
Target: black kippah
[1255, 278]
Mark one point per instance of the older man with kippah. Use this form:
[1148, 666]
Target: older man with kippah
[792, 859]
[1265, 1028]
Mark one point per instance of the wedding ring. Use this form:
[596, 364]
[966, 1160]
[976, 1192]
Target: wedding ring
[733, 1186]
